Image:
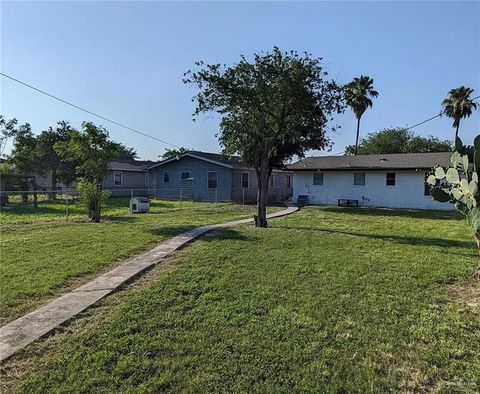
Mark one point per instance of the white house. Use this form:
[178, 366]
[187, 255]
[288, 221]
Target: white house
[389, 180]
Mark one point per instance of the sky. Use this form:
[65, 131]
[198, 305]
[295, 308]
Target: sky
[125, 61]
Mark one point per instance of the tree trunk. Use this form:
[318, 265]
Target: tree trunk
[35, 195]
[262, 185]
[456, 130]
[97, 203]
[358, 134]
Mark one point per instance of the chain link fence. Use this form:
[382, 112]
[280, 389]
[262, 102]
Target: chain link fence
[30, 205]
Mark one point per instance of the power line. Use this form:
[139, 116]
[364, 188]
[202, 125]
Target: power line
[433, 117]
[87, 111]
[425, 121]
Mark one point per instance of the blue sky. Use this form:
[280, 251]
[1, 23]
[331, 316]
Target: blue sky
[125, 60]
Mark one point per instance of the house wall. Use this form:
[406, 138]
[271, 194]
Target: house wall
[278, 190]
[131, 180]
[408, 191]
[198, 187]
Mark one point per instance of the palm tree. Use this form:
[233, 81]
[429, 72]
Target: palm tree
[458, 105]
[358, 93]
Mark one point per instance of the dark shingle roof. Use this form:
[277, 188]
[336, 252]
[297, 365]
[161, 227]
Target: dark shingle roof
[397, 161]
[228, 161]
[132, 165]
[235, 161]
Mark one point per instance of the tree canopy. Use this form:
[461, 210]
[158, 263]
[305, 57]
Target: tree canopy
[171, 153]
[399, 140]
[93, 150]
[273, 107]
[38, 154]
[459, 105]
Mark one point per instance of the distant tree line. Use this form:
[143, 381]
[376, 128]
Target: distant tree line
[65, 154]
[398, 140]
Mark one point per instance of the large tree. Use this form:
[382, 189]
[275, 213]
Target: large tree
[398, 140]
[93, 150]
[24, 153]
[359, 94]
[272, 108]
[49, 161]
[8, 129]
[459, 105]
[125, 153]
[171, 153]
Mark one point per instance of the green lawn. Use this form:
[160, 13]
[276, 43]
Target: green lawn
[325, 300]
[45, 257]
[65, 208]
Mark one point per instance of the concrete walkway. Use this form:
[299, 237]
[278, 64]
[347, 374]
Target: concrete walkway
[27, 329]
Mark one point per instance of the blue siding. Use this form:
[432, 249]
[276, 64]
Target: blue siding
[196, 188]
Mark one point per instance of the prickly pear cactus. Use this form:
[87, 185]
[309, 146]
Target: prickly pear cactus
[459, 182]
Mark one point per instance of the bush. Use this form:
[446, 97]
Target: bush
[92, 197]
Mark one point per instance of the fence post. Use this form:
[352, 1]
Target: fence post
[216, 196]
[66, 205]
[243, 196]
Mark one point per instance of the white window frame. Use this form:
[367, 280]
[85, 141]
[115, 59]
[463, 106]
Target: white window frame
[114, 178]
[216, 179]
[248, 180]
[168, 175]
[181, 175]
[322, 179]
[394, 179]
[364, 178]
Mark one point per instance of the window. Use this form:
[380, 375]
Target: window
[117, 178]
[318, 178]
[245, 180]
[212, 179]
[185, 175]
[166, 177]
[288, 181]
[359, 178]
[390, 179]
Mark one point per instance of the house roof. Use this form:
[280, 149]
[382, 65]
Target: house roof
[216, 158]
[131, 165]
[399, 161]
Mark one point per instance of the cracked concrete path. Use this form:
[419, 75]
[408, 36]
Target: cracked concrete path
[27, 329]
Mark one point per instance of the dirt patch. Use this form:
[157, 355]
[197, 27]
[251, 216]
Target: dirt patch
[468, 293]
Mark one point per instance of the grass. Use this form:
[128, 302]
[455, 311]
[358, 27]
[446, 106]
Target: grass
[65, 207]
[49, 255]
[325, 300]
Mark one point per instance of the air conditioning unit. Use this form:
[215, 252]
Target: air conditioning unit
[139, 204]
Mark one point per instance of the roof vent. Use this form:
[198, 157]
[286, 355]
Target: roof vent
[383, 159]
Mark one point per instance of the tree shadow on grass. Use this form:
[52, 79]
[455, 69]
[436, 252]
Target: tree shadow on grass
[217, 234]
[407, 213]
[422, 241]
[170, 231]
[226, 234]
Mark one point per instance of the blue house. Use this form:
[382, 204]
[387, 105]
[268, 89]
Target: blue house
[206, 176]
